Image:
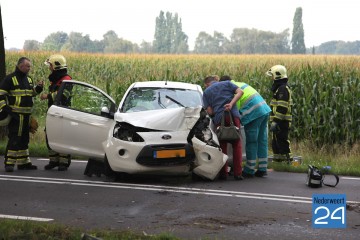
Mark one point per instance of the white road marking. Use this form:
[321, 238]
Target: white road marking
[73, 161]
[26, 218]
[212, 192]
[351, 178]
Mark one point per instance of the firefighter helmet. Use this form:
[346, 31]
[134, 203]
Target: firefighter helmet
[4, 118]
[57, 61]
[277, 71]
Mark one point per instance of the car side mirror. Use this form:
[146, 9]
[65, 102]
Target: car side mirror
[105, 112]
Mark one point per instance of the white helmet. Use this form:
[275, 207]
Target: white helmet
[277, 71]
[4, 118]
[57, 61]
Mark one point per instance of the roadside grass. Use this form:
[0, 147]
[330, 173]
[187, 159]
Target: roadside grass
[29, 230]
[343, 160]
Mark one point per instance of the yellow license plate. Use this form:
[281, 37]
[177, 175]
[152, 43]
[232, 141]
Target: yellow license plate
[176, 153]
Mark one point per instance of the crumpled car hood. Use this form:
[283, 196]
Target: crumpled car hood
[171, 119]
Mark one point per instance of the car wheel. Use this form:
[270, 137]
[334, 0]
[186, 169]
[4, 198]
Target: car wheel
[93, 167]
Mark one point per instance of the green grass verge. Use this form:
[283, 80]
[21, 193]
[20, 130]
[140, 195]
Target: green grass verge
[29, 230]
[346, 169]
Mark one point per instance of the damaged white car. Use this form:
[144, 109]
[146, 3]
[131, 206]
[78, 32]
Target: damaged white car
[158, 128]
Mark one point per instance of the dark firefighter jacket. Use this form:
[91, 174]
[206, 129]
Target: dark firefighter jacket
[281, 102]
[56, 78]
[16, 93]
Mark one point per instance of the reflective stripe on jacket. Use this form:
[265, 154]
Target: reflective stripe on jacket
[281, 105]
[16, 93]
[54, 88]
[23, 97]
[251, 105]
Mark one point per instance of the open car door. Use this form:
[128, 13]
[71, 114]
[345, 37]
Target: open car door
[80, 120]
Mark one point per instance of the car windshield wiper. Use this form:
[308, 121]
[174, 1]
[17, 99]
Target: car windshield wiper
[175, 101]
[159, 102]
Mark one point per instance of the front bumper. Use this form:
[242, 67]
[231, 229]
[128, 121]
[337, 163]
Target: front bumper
[166, 155]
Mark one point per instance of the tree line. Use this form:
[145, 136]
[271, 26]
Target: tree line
[169, 38]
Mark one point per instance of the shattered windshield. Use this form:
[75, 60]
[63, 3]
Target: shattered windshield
[144, 99]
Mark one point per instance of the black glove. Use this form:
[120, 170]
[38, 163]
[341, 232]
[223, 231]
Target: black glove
[39, 88]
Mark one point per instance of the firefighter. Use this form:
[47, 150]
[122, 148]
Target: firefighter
[280, 117]
[16, 99]
[254, 116]
[58, 68]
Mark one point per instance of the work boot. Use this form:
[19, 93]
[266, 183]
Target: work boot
[240, 177]
[27, 166]
[51, 165]
[247, 175]
[62, 167]
[9, 167]
[260, 173]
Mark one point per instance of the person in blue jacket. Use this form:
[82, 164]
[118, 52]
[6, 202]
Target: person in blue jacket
[254, 116]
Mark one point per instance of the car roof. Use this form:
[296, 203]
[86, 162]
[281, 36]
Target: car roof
[166, 84]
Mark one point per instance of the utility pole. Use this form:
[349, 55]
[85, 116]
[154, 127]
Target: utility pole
[2, 50]
[2, 66]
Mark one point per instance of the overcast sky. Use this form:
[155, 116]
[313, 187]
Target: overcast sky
[134, 20]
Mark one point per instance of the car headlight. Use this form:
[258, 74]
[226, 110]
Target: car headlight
[127, 132]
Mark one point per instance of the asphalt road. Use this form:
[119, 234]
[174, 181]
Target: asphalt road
[277, 206]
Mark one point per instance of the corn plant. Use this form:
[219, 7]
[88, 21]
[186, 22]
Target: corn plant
[325, 89]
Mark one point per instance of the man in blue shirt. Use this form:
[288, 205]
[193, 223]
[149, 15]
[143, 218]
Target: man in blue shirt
[254, 115]
[219, 97]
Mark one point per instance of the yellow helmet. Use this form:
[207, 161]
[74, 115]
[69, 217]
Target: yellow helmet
[57, 61]
[277, 71]
[4, 118]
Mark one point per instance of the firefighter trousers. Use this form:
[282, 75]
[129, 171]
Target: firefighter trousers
[281, 143]
[17, 149]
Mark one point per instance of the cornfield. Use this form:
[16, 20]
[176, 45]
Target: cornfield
[325, 89]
